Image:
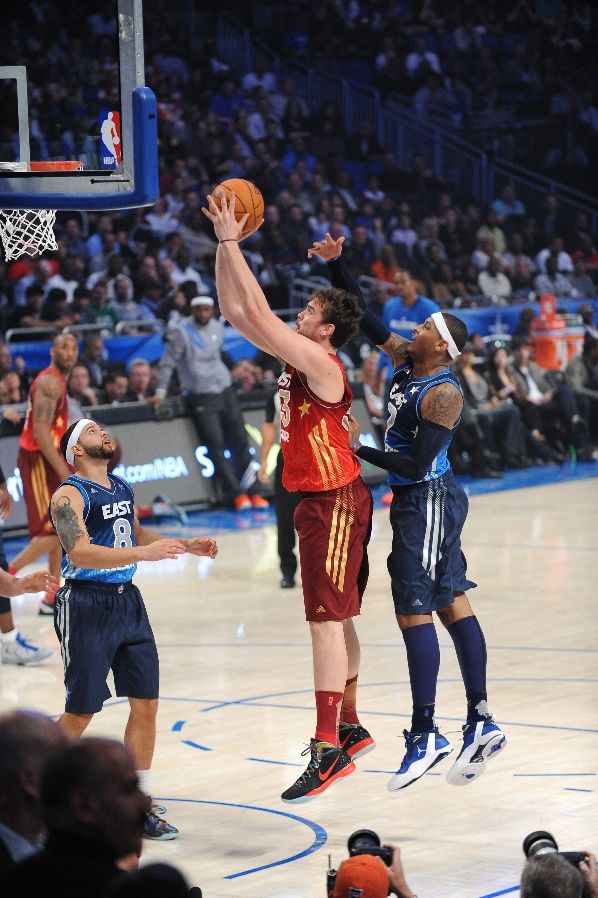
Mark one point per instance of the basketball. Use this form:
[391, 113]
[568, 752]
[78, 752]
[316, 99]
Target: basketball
[248, 199]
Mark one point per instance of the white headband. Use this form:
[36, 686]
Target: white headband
[444, 332]
[74, 439]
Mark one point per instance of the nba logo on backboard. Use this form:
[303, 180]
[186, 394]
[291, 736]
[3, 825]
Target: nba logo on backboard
[110, 144]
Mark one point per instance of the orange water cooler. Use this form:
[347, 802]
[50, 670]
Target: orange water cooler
[555, 343]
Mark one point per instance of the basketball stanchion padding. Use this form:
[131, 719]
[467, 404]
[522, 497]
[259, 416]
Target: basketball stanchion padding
[31, 231]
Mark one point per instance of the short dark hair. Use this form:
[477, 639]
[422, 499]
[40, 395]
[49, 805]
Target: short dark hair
[341, 308]
[456, 329]
[56, 294]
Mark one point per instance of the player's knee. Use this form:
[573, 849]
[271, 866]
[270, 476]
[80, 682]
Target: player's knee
[146, 708]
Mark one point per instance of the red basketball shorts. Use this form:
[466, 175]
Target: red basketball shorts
[40, 480]
[334, 530]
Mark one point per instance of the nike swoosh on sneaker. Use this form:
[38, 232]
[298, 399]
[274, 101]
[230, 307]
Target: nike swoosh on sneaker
[326, 775]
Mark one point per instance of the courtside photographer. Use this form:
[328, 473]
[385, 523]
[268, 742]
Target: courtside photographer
[550, 873]
[372, 870]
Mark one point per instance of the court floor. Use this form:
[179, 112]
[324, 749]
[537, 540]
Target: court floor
[237, 707]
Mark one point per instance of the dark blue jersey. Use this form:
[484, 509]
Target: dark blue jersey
[110, 520]
[404, 416]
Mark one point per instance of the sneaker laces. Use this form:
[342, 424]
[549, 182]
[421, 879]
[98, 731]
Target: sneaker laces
[314, 761]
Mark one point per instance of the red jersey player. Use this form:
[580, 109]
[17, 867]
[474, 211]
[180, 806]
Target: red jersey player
[41, 465]
[333, 518]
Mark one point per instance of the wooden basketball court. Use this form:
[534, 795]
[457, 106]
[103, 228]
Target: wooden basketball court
[237, 708]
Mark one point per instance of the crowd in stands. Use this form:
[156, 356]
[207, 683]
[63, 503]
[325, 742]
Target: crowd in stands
[140, 268]
[497, 71]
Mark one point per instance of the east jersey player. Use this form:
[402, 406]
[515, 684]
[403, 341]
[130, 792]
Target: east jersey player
[99, 616]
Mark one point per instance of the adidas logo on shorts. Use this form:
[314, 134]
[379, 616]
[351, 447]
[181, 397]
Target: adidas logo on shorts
[321, 610]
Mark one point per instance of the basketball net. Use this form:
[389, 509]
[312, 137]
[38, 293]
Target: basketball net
[27, 231]
[31, 231]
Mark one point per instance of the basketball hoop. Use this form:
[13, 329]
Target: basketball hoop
[31, 231]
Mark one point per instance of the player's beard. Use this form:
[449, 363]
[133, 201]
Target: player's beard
[100, 451]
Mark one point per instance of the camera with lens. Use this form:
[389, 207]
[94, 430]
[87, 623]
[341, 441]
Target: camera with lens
[541, 842]
[362, 841]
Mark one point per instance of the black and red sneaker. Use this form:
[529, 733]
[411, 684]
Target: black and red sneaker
[326, 765]
[355, 740]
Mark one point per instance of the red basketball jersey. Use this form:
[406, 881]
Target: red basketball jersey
[313, 436]
[60, 421]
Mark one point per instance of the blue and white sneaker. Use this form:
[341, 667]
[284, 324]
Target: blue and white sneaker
[24, 652]
[424, 750]
[482, 740]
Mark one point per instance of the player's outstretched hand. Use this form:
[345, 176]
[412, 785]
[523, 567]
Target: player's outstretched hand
[353, 429]
[226, 226]
[38, 582]
[202, 545]
[327, 248]
[161, 549]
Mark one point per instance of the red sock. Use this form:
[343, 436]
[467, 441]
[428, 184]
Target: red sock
[348, 708]
[327, 711]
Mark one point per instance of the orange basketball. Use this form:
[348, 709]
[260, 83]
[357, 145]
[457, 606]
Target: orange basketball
[248, 199]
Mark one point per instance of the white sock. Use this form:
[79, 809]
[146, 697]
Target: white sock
[144, 777]
[9, 637]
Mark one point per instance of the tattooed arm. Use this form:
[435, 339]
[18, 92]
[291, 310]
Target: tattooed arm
[44, 405]
[67, 515]
[396, 348]
[442, 405]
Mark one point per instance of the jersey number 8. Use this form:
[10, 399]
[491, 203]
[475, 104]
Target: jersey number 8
[122, 534]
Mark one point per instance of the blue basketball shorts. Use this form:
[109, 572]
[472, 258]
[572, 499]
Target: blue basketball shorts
[103, 627]
[426, 564]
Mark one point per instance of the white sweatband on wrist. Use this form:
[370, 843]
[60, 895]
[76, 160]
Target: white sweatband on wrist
[444, 332]
[74, 439]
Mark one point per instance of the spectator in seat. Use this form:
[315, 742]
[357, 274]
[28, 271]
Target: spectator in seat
[95, 358]
[79, 386]
[553, 281]
[581, 375]
[116, 387]
[27, 742]
[556, 405]
[56, 309]
[493, 281]
[386, 267]
[140, 379]
[125, 307]
[499, 418]
[564, 263]
[29, 315]
[581, 282]
[508, 206]
[94, 811]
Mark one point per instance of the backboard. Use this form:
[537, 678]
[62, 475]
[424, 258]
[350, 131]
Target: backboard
[72, 90]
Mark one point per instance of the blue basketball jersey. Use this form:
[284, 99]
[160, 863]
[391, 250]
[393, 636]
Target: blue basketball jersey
[110, 520]
[404, 416]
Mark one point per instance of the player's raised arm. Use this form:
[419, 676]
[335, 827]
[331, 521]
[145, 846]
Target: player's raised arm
[244, 305]
[330, 251]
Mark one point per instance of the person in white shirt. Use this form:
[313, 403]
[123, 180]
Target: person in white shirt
[493, 281]
[564, 263]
